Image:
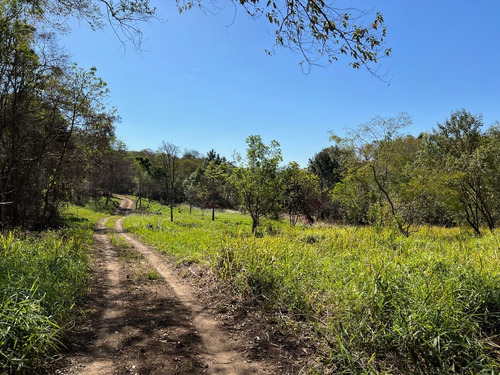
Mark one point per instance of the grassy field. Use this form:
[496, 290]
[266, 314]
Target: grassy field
[378, 302]
[43, 276]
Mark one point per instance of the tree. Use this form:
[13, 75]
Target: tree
[213, 181]
[143, 165]
[79, 95]
[214, 156]
[169, 162]
[50, 112]
[300, 192]
[124, 16]
[327, 165]
[466, 156]
[355, 197]
[112, 171]
[191, 189]
[256, 178]
[189, 163]
[378, 147]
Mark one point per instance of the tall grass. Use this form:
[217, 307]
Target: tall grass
[42, 279]
[379, 302]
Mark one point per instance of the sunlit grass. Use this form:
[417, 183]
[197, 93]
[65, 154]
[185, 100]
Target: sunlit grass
[43, 277]
[378, 301]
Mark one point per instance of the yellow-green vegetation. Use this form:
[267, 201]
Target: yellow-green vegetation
[103, 205]
[110, 223]
[43, 276]
[153, 275]
[125, 252]
[379, 302]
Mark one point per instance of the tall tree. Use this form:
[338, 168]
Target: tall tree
[327, 165]
[49, 113]
[376, 147]
[460, 149]
[189, 163]
[144, 173]
[300, 192]
[80, 96]
[213, 179]
[256, 178]
[169, 155]
[211, 182]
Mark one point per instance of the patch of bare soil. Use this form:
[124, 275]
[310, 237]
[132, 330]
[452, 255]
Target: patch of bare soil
[148, 317]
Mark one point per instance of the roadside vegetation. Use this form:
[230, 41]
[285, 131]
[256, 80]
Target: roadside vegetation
[379, 301]
[43, 279]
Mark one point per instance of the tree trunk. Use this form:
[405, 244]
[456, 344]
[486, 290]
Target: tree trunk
[255, 224]
[171, 210]
[213, 213]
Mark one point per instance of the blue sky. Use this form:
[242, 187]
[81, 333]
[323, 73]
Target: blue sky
[204, 81]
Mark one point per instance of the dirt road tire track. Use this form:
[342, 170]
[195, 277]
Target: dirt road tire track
[220, 353]
[138, 326]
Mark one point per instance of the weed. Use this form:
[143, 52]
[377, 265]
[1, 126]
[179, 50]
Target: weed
[153, 275]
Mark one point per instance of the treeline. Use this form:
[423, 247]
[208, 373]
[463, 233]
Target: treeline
[56, 134]
[57, 144]
[447, 177]
[376, 175]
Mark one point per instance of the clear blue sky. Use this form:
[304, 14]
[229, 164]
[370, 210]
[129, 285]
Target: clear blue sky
[205, 81]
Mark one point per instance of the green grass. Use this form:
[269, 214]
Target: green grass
[153, 275]
[43, 277]
[111, 222]
[99, 205]
[378, 302]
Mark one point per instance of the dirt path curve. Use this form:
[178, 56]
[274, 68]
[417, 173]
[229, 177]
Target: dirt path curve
[142, 324]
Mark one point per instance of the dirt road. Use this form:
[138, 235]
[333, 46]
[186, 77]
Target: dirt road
[144, 320]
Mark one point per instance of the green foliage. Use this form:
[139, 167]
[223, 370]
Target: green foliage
[465, 160]
[301, 194]
[213, 186]
[327, 165]
[378, 148]
[379, 301]
[256, 178]
[55, 127]
[355, 198]
[167, 169]
[102, 205]
[42, 279]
